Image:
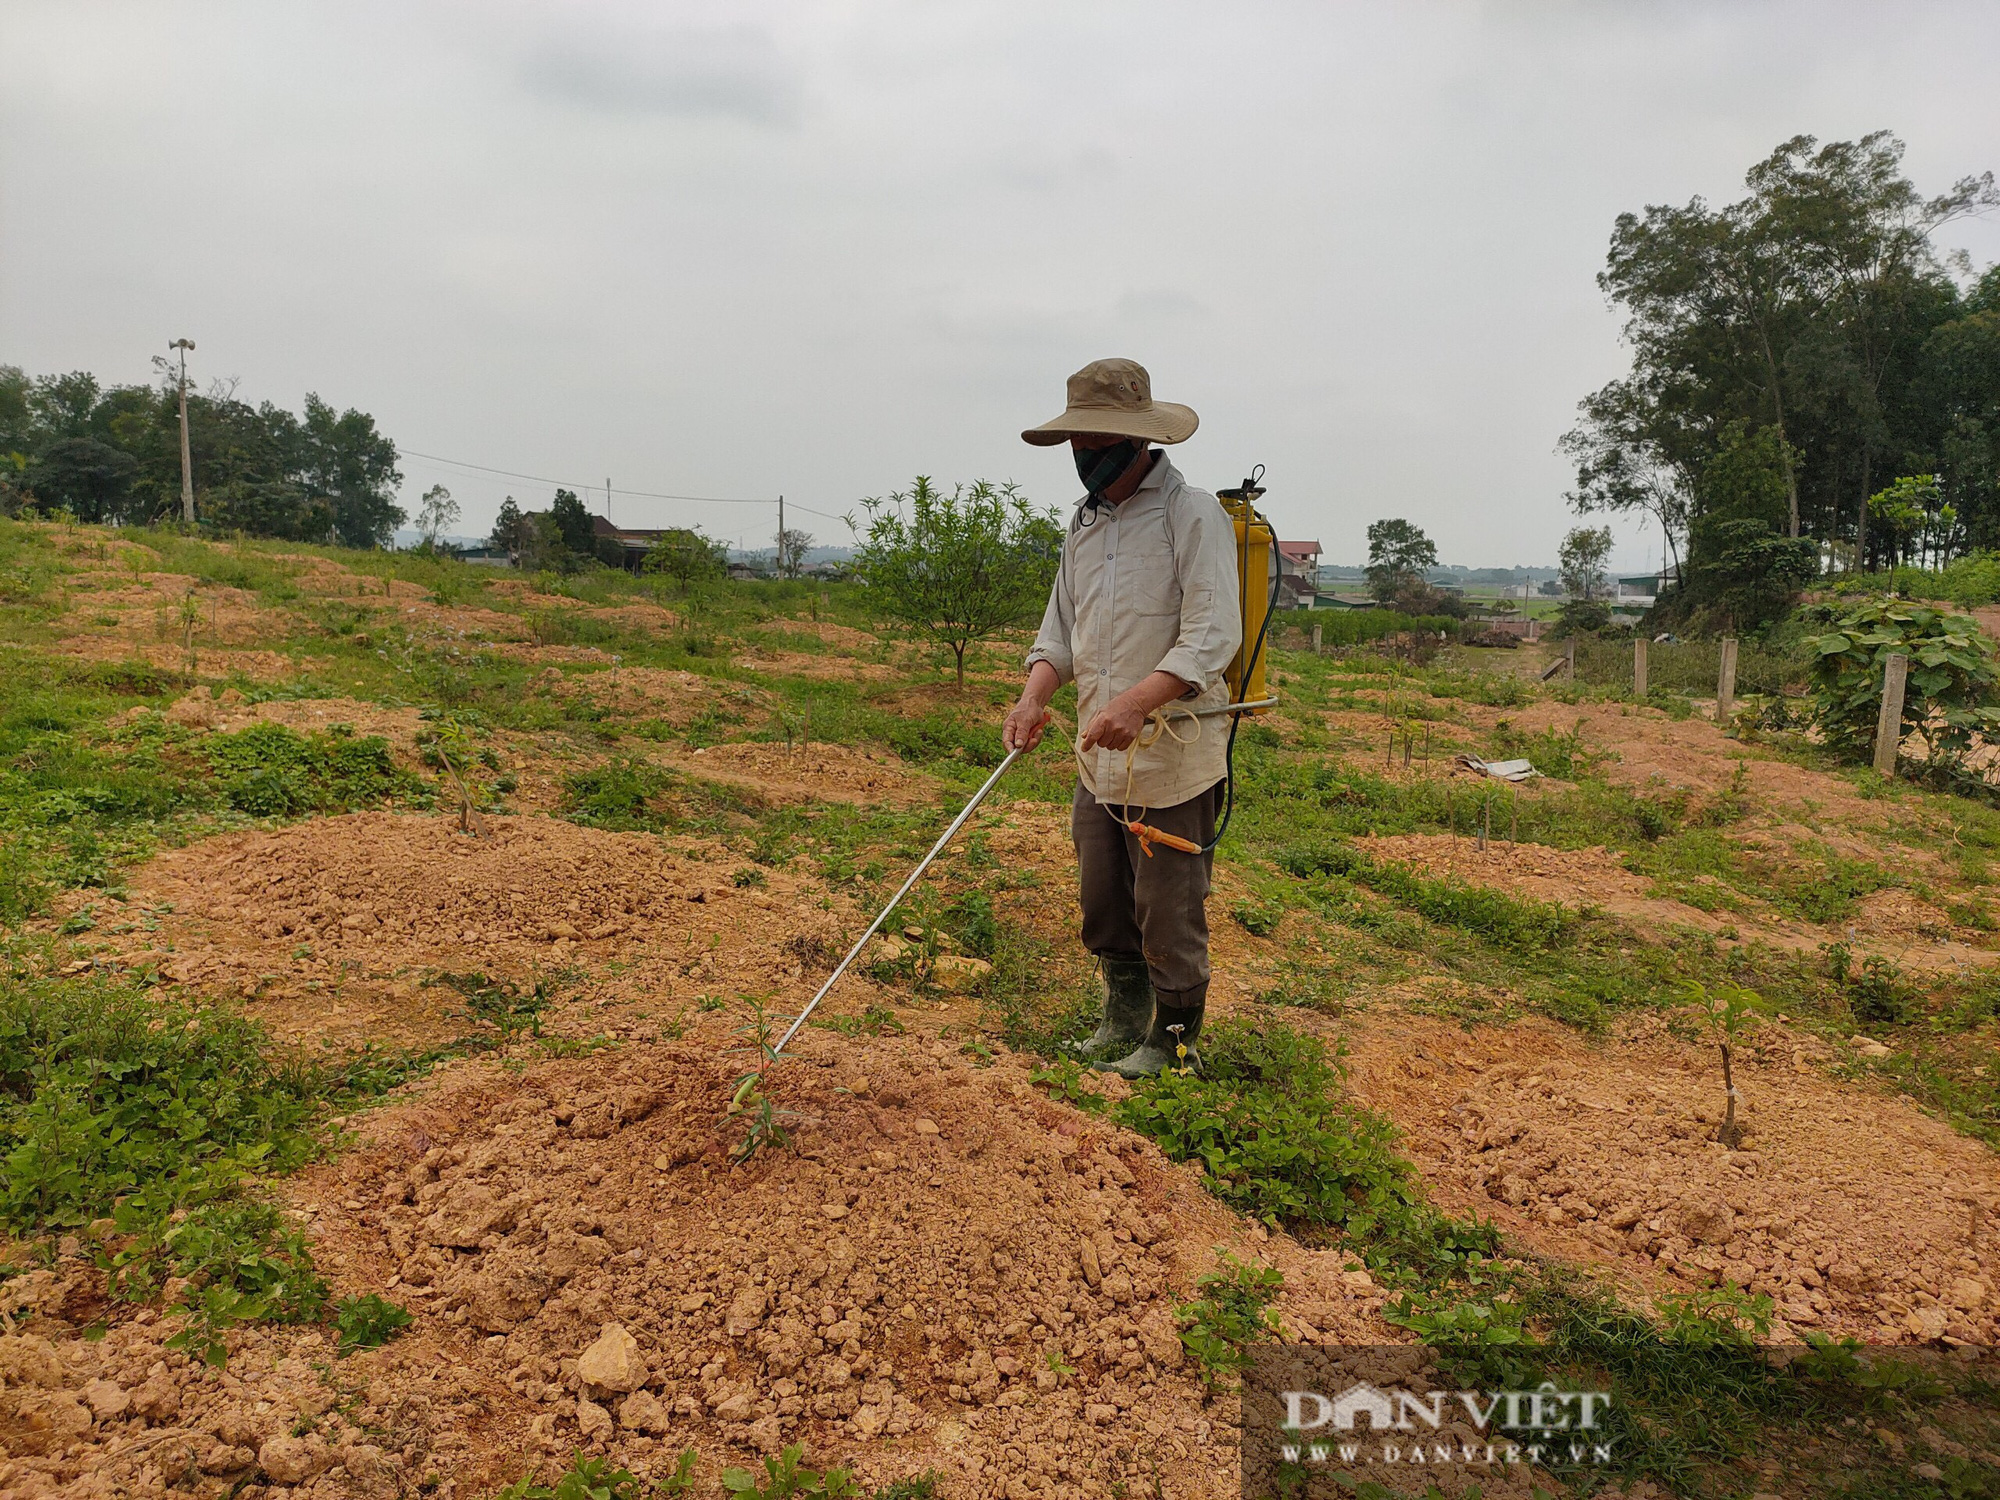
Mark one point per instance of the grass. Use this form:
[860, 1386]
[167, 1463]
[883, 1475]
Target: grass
[151, 1125]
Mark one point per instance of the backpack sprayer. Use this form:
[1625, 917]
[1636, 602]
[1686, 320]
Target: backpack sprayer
[1257, 595]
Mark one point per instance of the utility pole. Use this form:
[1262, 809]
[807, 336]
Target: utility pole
[187, 455]
[781, 536]
[607, 497]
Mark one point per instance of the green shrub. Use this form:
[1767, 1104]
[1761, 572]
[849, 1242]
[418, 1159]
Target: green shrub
[617, 795]
[1953, 672]
[367, 1322]
[596, 1479]
[1233, 1313]
[787, 1478]
[270, 771]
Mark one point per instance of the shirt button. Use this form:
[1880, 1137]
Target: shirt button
[1109, 555]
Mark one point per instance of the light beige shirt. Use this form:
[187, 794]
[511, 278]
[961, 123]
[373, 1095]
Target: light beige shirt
[1148, 586]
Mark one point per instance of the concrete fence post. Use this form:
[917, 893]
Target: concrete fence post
[1725, 682]
[1889, 725]
[1316, 639]
[1569, 660]
[1639, 667]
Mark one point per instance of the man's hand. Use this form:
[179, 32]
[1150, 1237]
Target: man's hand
[1025, 721]
[1115, 726]
[1024, 725]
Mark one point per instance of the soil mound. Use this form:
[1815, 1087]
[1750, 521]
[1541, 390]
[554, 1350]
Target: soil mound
[815, 772]
[329, 926]
[948, 1260]
[947, 1271]
[1855, 1212]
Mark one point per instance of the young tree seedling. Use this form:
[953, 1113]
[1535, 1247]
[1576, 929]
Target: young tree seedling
[1726, 1007]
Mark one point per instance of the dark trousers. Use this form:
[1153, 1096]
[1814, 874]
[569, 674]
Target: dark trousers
[1153, 907]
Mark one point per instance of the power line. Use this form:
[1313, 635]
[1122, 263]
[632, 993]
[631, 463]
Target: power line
[460, 463]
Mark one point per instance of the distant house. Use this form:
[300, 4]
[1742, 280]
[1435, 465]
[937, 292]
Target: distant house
[1345, 601]
[633, 542]
[1298, 566]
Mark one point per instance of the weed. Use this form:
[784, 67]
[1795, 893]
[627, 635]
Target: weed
[1233, 1313]
[1065, 1079]
[367, 1322]
[596, 1479]
[748, 877]
[876, 1020]
[618, 795]
[500, 1004]
[241, 1262]
[1709, 1316]
[1256, 918]
[1509, 921]
[270, 771]
[1449, 1320]
[787, 1478]
[1306, 985]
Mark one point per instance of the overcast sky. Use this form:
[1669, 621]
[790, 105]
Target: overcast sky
[739, 249]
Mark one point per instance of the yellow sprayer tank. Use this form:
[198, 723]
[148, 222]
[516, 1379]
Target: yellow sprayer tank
[1256, 577]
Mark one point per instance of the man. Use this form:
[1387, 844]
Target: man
[1143, 618]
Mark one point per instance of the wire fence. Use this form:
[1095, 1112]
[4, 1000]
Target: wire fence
[1691, 668]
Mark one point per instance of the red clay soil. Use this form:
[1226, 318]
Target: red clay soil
[947, 1272]
[1891, 922]
[328, 928]
[1859, 1214]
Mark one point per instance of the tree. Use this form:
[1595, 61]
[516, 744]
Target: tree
[1809, 331]
[89, 479]
[1582, 557]
[958, 567]
[687, 557]
[512, 531]
[1398, 554]
[791, 555]
[573, 524]
[437, 514]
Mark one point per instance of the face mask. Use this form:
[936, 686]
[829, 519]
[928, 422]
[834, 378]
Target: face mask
[1100, 468]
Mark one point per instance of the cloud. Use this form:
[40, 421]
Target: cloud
[733, 72]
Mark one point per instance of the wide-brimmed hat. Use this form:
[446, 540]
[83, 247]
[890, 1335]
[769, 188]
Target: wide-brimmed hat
[1114, 397]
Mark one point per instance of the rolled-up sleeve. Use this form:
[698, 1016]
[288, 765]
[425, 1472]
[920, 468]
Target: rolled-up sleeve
[1053, 640]
[1211, 617]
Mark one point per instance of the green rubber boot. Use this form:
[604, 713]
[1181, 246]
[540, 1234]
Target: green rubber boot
[1128, 1007]
[1176, 1024]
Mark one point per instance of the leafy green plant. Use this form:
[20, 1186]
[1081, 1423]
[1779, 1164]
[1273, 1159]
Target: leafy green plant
[1234, 1312]
[1451, 1319]
[618, 795]
[786, 1477]
[596, 1479]
[1952, 676]
[241, 1261]
[1065, 1079]
[763, 1120]
[1258, 918]
[270, 771]
[367, 1322]
[501, 1004]
[1711, 1316]
[876, 1019]
[1726, 1008]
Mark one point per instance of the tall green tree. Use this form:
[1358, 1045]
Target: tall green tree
[1582, 557]
[1808, 317]
[953, 569]
[687, 557]
[1399, 555]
